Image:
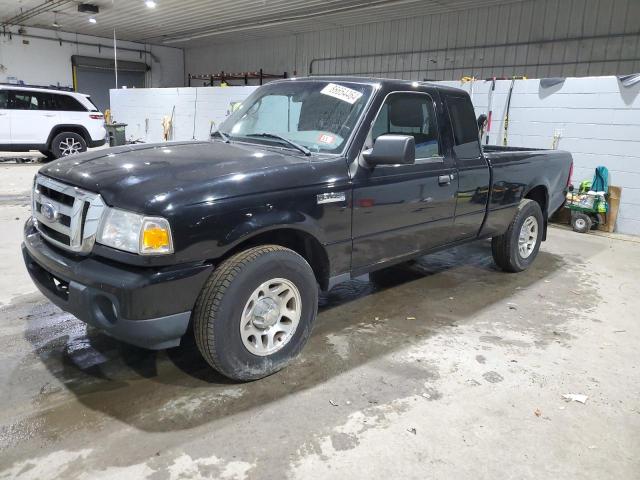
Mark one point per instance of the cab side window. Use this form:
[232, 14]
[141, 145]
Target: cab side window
[4, 99]
[409, 114]
[465, 128]
[24, 101]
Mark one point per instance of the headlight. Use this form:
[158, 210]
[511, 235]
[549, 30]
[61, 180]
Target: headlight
[135, 233]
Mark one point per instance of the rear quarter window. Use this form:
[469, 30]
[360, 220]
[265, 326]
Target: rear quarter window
[93, 105]
[4, 99]
[68, 104]
[465, 127]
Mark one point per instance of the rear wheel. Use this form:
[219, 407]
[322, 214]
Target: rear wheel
[255, 312]
[517, 248]
[581, 222]
[67, 143]
[48, 156]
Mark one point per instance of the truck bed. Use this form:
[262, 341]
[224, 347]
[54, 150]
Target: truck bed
[516, 170]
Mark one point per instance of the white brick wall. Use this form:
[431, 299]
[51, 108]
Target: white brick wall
[600, 124]
[146, 106]
[599, 120]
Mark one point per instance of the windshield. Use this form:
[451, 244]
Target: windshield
[316, 115]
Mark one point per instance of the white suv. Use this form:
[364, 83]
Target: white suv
[55, 122]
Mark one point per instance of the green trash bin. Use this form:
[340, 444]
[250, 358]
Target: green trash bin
[116, 132]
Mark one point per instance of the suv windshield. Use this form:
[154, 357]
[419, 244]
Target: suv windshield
[317, 115]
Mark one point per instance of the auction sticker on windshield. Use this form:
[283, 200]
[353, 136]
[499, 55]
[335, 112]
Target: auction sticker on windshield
[324, 138]
[345, 94]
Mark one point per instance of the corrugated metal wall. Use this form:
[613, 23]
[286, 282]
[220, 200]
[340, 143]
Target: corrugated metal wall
[536, 38]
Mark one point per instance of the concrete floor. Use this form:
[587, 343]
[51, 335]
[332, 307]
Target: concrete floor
[451, 370]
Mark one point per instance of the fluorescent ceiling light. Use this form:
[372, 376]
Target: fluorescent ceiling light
[92, 20]
[150, 4]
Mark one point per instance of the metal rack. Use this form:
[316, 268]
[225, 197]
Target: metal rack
[223, 77]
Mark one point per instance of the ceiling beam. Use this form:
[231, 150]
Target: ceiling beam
[35, 11]
[294, 17]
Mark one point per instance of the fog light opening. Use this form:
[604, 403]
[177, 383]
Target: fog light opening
[105, 310]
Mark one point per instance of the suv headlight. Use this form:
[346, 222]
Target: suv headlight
[135, 233]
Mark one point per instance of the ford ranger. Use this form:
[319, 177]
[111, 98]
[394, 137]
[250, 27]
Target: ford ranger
[310, 182]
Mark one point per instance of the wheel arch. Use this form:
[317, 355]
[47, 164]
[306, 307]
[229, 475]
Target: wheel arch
[300, 241]
[79, 129]
[540, 195]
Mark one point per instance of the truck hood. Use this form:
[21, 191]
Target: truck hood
[149, 177]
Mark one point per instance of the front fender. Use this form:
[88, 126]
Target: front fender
[264, 219]
[210, 231]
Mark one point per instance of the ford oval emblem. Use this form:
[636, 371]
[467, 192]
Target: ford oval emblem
[49, 212]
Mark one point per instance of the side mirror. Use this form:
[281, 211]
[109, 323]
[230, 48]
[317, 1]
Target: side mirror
[392, 150]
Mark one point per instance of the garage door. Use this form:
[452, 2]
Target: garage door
[95, 76]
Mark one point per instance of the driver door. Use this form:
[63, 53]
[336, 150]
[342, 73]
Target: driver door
[399, 210]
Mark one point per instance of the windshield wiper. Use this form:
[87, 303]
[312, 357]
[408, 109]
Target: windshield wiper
[304, 150]
[223, 136]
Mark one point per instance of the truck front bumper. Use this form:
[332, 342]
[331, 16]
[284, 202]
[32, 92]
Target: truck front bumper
[144, 306]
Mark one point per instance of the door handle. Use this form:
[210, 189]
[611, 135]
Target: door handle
[49, 114]
[445, 179]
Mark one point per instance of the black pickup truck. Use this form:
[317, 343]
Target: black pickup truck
[311, 182]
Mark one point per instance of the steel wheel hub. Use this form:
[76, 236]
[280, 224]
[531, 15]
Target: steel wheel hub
[266, 313]
[528, 236]
[270, 316]
[69, 146]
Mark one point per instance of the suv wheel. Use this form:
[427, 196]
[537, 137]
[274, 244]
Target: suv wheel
[47, 155]
[517, 248]
[67, 143]
[255, 312]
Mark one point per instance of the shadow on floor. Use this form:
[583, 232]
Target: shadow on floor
[175, 389]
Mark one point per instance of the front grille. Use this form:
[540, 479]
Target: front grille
[66, 216]
[62, 218]
[57, 196]
[55, 235]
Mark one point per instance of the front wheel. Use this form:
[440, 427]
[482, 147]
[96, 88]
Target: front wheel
[255, 312]
[517, 248]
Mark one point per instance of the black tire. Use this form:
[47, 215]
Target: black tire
[505, 248]
[219, 308]
[581, 222]
[70, 139]
[48, 156]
